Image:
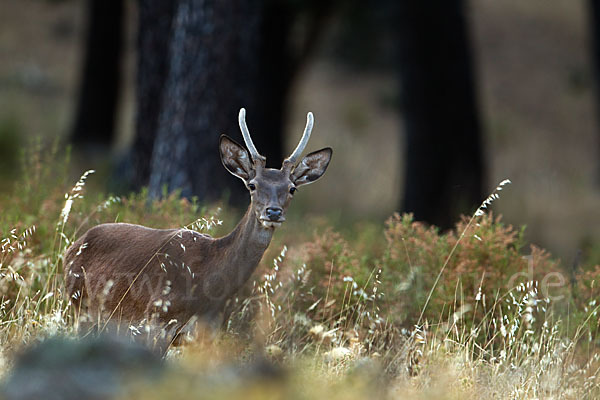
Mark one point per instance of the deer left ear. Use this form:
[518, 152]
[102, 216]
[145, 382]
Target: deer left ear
[312, 167]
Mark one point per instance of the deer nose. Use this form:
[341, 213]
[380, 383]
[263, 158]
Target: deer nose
[274, 213]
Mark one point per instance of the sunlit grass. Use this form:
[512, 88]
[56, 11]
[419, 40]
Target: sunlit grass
[406, 312]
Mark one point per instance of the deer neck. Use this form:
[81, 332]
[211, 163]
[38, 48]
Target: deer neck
[244, 247]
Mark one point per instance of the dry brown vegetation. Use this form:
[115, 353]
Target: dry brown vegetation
[399, 311]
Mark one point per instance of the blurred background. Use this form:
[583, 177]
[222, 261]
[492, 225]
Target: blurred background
[427, 105]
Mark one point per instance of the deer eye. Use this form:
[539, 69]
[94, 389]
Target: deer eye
[252, 187]
[292, 190]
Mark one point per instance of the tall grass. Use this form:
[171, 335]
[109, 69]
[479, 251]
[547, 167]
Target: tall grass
[473, 312]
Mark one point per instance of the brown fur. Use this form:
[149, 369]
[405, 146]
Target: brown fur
[123, 271]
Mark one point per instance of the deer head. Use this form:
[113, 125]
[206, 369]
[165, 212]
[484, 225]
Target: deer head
[271, 190]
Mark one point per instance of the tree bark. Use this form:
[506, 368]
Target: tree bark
[444, 166]
[154, 32]
[100, 80]
[594, 22]
[199, 62]
[282, 53]
[274, 76]
[211, 71]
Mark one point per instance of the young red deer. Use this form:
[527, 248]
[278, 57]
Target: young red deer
[130, 273]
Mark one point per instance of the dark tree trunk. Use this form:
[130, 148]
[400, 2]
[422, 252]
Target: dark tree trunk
[154, 33]
[282, 53]
[444, 166]
[594, 6]
[273, 80]
[199, 62]
[100, 80]
[212, 67]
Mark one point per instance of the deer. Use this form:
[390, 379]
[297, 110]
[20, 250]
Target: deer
[130, 274]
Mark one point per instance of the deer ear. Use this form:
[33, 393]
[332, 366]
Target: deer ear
[235, 158]
[312, 167]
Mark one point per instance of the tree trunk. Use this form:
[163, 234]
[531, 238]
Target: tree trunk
[444, 166]
[282, 53]
[274, 76]
[211, 70]
[199, 62]
[100, 81]
[594, 6]
[154, 32]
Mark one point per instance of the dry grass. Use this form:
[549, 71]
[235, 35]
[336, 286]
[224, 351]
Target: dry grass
[420, 315]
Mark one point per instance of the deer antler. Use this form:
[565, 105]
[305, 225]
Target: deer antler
[293, 158]
[254, 154]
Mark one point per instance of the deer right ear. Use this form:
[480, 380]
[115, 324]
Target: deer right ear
[235, 158]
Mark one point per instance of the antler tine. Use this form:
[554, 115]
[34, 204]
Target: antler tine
[254, 154]
[303, 141]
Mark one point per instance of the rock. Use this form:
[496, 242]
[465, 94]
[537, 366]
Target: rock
[92, 368]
